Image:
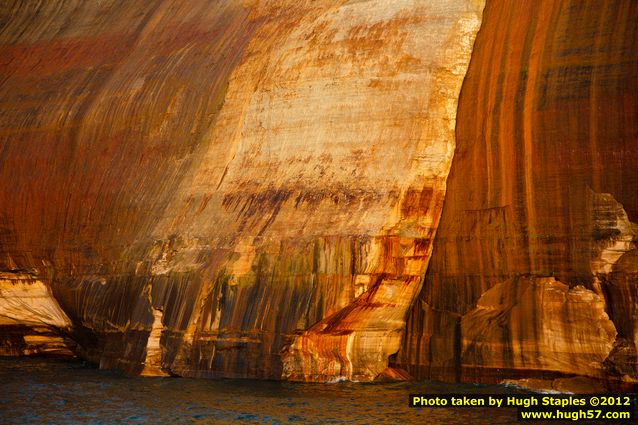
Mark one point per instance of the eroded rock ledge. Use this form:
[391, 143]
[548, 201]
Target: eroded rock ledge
[31, 320]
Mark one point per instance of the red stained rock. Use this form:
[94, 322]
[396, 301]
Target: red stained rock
[544, 185]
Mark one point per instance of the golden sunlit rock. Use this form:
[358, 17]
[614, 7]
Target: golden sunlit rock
[323, 190]
[541, 201]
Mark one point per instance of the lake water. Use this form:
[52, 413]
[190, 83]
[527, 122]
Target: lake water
[44, 391]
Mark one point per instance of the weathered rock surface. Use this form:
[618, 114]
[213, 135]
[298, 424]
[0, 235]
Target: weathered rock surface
[538, 324]
[242, 189]
[31, 320]
[533, 268]
[254, 188]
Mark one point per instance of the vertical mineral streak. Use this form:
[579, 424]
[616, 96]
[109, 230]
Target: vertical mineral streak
[356, 341]
[252, 188]
[263, 168]
[542, 202]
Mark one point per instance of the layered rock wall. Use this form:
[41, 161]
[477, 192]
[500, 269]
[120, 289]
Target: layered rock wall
[253, 188]
[242, 189]
[531, 266]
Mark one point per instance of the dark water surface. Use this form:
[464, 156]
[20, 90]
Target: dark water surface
[41, 391]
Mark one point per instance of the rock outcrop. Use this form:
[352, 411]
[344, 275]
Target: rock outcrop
[530, 272]
[258, 188]
[240, 189]
[31, 320]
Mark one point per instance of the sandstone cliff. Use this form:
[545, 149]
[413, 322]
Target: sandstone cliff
[253, 189]
[243, 189]
[531, 273]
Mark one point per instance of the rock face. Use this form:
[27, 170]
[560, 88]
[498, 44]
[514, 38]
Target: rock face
[254, 188]
[31, 320]
[538, 324]
[240, 189]
[534, 265]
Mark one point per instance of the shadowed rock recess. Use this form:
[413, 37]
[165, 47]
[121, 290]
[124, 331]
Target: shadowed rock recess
[256, 188]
